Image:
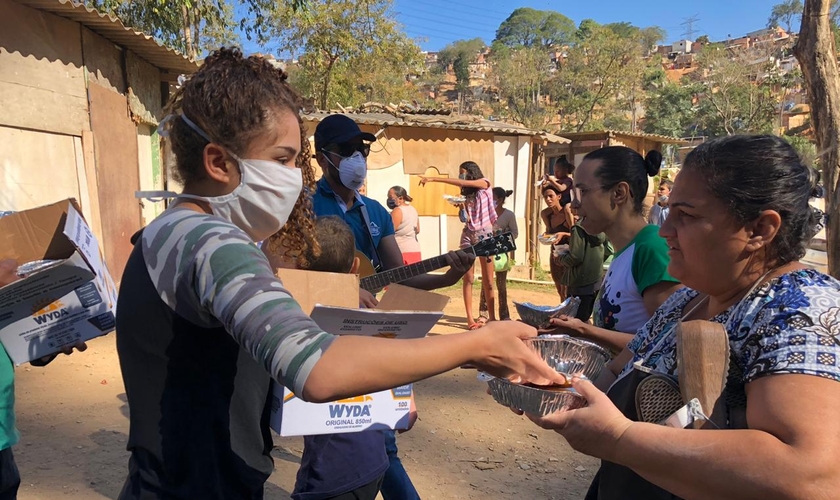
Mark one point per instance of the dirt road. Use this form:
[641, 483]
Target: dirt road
[72, 416]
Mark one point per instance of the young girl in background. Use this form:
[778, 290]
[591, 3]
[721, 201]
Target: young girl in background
[481, 215]
[505, 223]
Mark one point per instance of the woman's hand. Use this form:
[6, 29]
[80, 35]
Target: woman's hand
[8, 272]
[67, 350]
[594, 430]
[424, 180]
[567, 324]
[505, 355]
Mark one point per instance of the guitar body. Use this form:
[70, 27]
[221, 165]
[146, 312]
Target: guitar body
[365, 265]
[373, 281]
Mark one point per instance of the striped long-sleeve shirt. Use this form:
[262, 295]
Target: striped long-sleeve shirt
[202, 323]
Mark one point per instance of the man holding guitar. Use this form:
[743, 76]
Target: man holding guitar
[341, 149]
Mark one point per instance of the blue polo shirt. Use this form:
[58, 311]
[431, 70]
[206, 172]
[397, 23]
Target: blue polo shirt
[334, 464]
[326, 202]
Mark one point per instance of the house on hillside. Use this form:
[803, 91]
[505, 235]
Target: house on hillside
[681, 47]
[81, 96]
[478, 68]
[413, 144]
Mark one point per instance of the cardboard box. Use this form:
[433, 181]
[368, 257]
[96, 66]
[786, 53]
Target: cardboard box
[72, 300]
[290, 416]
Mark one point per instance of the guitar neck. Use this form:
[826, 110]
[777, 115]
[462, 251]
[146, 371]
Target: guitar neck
[379, 281]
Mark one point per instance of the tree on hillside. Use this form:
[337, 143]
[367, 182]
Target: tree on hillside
[816, 52]
[670, 110]
[736, 95]
[527, 27]
[785, 14]
[345, 48]
[521, 78]
[600, 79]
[585, 29]
[194, 26]
[460, 54]
[703, 40]
[622, 29]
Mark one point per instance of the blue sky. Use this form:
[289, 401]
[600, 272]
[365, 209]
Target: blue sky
[435, 23]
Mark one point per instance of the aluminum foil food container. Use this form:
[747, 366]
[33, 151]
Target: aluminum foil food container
[455, 200]
[570, 355]
[34, 266]
[547, 239]
[565, 354]
[533, 400]
[537, 316]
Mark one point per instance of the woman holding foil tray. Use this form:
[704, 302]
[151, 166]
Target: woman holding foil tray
[740, 219]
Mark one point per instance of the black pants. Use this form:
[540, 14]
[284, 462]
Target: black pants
[587, 304]
[9, 475]
[366, 492]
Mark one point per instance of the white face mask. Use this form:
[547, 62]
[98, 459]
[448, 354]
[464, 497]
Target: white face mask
[351, 170]
[264, 199]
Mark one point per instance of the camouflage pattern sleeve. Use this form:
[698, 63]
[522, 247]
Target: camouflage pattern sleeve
[210, 272]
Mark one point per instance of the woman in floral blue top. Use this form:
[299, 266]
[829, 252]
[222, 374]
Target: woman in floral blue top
[739, 223]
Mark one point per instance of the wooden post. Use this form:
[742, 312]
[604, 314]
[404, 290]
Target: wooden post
[92, 186]
[816, 54]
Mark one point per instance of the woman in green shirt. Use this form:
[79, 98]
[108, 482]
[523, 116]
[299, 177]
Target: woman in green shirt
[612, 183]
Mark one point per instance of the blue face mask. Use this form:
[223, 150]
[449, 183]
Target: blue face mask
[392, 203]
[463, 177]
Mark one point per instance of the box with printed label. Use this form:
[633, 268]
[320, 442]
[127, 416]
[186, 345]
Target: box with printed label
[67, 296]
[389, 409]
[380, 410]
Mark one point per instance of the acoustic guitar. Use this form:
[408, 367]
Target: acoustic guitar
[373, 281]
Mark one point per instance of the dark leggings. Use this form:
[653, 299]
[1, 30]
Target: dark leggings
[366, 492]
[9, 475]
[587, 304]
[501, 285]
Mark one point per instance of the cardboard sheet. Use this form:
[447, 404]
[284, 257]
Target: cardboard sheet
[73, 300]
[333, 300]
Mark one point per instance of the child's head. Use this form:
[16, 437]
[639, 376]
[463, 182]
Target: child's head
[500, 195]
[338, 247]
[563, 168]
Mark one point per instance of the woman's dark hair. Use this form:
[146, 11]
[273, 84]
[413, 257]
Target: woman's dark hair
[501, 194]
[622, 164]
[565, 164]
[234, 99]
[752, 173]
[549, 187]
[473, 173]
[400, 192]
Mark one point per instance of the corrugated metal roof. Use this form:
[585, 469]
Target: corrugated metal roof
[469, 123]
[553, 139]
[166, 59]
[596, 134]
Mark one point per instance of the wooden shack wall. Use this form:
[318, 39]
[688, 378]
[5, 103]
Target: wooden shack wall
[71, 103]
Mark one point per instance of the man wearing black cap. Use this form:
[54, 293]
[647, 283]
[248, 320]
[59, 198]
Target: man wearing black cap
[341, 149]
